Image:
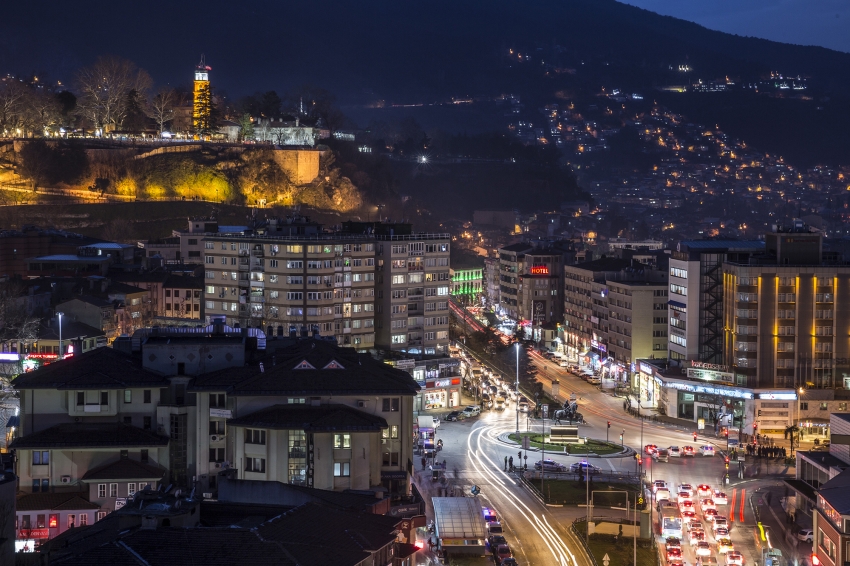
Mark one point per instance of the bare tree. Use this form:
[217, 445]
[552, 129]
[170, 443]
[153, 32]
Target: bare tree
[103, 89]
[12, 99]
[18, 324]
[42, 113]
[161, 108]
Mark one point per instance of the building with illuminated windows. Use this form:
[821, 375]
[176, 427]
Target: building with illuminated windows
[467, 274]
[786, 314]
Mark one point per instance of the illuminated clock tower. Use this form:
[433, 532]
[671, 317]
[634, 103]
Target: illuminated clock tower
[202, 100]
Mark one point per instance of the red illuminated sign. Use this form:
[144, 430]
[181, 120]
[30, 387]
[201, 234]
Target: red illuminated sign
[539, 270]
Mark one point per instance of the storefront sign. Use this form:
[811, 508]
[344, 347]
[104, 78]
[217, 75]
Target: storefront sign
[406, 510]
[221, 413]
[539, 270]
[710, 375]
[722, 391]
[449, 364]
[779, 396]
[645, 368]
[120, 502]
[598, 345]
[440, 383]
[704, 365]
[405, 364]
[36, 533]
[701, 424]
[394, 475]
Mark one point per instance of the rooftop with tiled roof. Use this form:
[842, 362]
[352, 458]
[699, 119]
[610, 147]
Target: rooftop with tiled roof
[55, 501]
[323, 418]
[311, 367]
[101, 368]
[125, 469]
[90, 435]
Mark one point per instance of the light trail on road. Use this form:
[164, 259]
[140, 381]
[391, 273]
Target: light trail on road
[484, 465]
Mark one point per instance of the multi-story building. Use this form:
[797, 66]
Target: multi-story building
[187, 246]
[615, 314]
[370, 284]
[195, 402]
[783, 315]
[695, 326]
[467, 275]
[415, 283]
[511, 264]
[531, 279]
[491, 281]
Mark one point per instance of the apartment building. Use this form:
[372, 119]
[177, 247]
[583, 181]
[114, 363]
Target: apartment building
[415, 282]
[511, 265]
[695, 328]
[783, 315]
[367, 285]
[615, 312]
[193, 403]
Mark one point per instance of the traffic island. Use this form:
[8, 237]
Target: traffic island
[591, 447]
[617, 548]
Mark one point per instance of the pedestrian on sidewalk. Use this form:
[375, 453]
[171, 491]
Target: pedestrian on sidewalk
[423, 462]
[511, 462]
[506, 463]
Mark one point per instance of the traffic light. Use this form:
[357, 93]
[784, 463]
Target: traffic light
[727, 464]
[609, 424]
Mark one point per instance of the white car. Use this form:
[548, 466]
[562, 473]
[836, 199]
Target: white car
[720, 498]
[686, 487]
[703, 548]
[707, 450]
[659, 484]
[674, 452]
[734, 558]
[719, 522]
[706, 504]
[684, 497]
[704, 491]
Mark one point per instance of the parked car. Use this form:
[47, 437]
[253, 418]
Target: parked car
[472, 411]
[548, 465]
[805, 535]
[455, 416]
[503, 552]
[493, 542]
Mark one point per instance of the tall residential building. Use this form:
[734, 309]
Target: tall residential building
[615, 313]
[491, 281]
[696, 296]
[413, 290]
[785, 315]
[531, 279]
[368, 285]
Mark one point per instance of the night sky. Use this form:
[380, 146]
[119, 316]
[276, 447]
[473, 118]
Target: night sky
[803, 22]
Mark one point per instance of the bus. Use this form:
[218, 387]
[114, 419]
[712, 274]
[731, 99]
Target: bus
[671, 522]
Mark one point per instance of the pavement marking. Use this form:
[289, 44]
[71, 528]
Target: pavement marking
[743, 499]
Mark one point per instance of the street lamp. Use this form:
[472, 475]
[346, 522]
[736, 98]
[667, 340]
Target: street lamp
[59, 315]
[517, 388]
